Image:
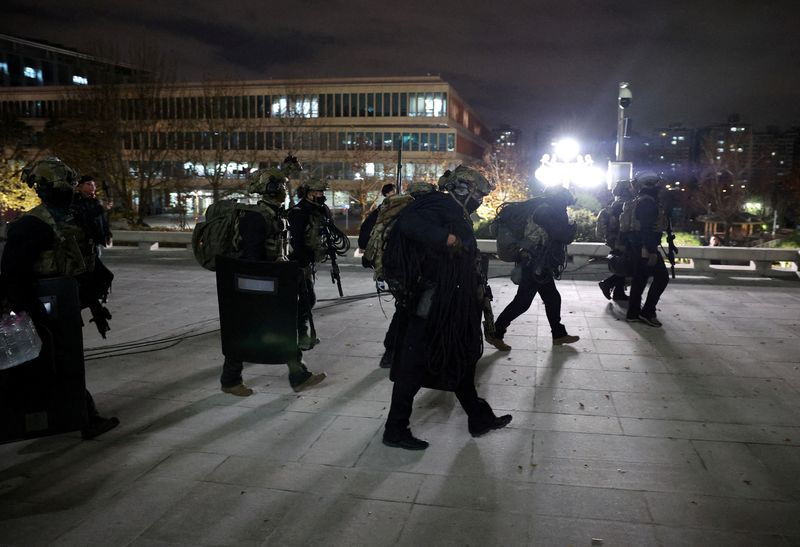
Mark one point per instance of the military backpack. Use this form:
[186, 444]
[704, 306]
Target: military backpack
[508, 227]
[387, 217]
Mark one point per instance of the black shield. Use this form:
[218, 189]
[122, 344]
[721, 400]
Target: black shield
[48, 394]
[258, 309]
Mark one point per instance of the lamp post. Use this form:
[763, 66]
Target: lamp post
[624, 98]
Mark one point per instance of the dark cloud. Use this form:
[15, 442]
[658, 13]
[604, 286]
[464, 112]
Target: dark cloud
[522, 62]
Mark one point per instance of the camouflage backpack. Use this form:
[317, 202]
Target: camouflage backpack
[508, 227]
[390, 210]
[214, 236]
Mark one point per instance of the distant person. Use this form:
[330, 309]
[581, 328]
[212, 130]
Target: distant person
[644, 228]
[714, 242]
[369, 222]
[607, 229]
[263, 230]
[88, 206]
[544, 248]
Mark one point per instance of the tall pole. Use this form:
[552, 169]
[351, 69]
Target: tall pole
[620, 134]
[399, 163]
[624, 98]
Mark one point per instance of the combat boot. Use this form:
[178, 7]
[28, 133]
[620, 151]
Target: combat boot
[482, 419]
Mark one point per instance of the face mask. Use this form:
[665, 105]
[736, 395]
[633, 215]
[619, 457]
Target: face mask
[473, 204]
[320, 200]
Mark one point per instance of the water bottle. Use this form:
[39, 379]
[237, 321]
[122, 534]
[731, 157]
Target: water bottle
[19, 342]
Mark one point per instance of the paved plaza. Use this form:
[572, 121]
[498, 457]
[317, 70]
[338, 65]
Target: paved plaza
[685, 435]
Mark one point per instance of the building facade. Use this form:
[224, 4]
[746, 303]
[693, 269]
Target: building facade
[352, 131]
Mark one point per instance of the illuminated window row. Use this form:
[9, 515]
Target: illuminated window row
[325, 105]
[291, 140]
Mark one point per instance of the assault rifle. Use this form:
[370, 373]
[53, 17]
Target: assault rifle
[336, 244]
[672, 250]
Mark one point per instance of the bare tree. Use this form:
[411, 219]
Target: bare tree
[227, 150]
[509, 173]
[720, 187]
[113, 129]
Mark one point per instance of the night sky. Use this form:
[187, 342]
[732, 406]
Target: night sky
[525, 63]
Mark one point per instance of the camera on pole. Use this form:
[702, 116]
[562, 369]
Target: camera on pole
[625, 95]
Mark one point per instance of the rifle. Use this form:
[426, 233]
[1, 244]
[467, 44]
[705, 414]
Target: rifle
[672, 250]
[336, 244]
[100, 317]
[488, 314]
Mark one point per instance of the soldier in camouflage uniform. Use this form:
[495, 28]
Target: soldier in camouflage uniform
[306, 219]
[260, 234]
[49, 241]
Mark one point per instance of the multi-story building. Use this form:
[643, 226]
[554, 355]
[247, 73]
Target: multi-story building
[353, 131]
[669, 151]
[27, 63]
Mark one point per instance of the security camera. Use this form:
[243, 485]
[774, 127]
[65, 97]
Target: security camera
[625, 95]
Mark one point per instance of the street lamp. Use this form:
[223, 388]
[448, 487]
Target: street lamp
[568, 167]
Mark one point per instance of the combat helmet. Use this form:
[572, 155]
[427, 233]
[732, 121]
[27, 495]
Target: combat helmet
[315, 184]
[419, 187]
[622, 189]
[645, 180]
[53, 180]
[465, 182]
[50, 172]
[269, 182]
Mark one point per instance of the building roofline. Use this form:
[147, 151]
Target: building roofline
[64, 51]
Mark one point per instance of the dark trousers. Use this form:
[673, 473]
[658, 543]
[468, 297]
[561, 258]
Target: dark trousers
[403, 393]
[641, 273]
[232, 371]
[616, 283]
[304, 304]
[522, 302]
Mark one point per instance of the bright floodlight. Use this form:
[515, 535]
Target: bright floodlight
[566, 149]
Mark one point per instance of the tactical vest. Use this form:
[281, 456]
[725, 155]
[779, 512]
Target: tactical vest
[629, 222]
[313, 233]
[72, 253]
[275, 243]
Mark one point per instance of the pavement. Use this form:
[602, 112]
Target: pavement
[684, 435]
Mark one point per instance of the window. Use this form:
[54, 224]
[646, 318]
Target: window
[80, 80]
[403, 104]
[345, 105]
[442, 142]
[371, 104]
[362, 104]
[451, 142]
[412, 104]
[395, 104]
[423, 142]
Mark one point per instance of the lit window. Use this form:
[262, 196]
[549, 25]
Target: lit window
[80, 80]
[369, 169]
[4, 68]
[33, 73]
[734, 129]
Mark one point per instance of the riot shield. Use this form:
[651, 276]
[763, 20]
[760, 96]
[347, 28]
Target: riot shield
[47, 395]
[258, 309]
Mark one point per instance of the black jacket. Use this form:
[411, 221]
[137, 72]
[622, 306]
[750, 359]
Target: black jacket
[366, 228]
[440, 350]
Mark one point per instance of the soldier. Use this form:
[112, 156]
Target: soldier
[364, 232]
[432, 264]
[262, 237]
[608, 229]
[547, 233]
[306, 220]
[644, 223]
[49, 241]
